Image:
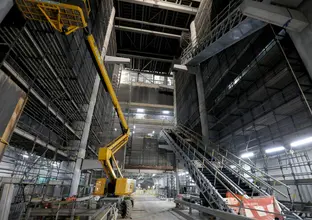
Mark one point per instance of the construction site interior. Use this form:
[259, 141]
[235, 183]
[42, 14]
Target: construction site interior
[155, 109]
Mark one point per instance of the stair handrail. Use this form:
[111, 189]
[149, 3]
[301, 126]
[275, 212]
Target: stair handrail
[220, 198]
[265, 175]
[252, 185]
[285, 209]
[216, 169]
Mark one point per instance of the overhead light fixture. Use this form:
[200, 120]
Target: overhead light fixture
[153, 132]
[154, 174]
[166, 112]
[140, 110]
[275, 149]
[115, 129]
[301, 142]
[133, 126]
[133, 132]
[25, 156]
[247, 155]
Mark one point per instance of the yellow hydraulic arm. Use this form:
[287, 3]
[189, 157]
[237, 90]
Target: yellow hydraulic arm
[68, 18]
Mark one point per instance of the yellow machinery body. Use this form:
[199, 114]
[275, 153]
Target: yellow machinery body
[67, 18]
[124, 186]
[99, 189]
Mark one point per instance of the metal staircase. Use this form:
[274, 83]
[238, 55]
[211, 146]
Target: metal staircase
[220, 174]
[227, 28]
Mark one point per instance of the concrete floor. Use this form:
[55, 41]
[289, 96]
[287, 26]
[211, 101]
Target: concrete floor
[147, 207]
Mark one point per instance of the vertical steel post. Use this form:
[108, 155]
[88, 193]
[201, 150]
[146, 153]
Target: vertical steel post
[87, 125]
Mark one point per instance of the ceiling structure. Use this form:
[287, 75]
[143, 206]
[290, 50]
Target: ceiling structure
[149, 32]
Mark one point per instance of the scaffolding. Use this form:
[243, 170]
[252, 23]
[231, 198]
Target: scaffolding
[58, 74]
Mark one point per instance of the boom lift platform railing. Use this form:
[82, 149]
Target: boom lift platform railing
[68, 18]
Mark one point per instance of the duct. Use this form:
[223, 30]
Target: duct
[152, 24]
[34, 93]
[164, 5]
[38, 141]
[145, 31]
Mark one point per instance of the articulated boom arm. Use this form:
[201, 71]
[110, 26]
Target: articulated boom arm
[68, 18]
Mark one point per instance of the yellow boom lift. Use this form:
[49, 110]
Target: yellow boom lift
[67, 18]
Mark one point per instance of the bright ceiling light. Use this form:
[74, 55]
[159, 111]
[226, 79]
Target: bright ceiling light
[140, 110]
[166, 112]
[133, 126]
[275, 149]
[115, 129]
[25, 155]
[301, 142]
[247, 155]
[153, 132]
[133, 132]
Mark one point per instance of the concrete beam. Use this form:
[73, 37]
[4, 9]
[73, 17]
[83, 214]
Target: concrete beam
[146, 105]
[31, 137]
[145, 31]
[5, 6]
[164, 5]
[151, 24]
[89, 164]
[144, 57]
[180, 67]
[284, 17]
[38, 97]
[116, 60]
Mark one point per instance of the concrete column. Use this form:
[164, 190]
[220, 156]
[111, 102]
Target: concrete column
[87, 126]
[5, 6]
[303, 40]
[175, 100]
[193, 33]
[6, 200]
[177, 177]
[202, 106]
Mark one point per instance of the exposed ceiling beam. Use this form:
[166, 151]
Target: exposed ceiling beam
[116, 60]
[165, 5]
[144, 57]
[144, 31]
[152, 24]
[162, 56]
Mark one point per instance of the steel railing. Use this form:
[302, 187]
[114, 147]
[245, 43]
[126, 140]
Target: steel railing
[228, 18]
[213, 150]
[189, 154]
[235, 165]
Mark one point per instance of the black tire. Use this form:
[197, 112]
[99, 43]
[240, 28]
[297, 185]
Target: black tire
[126, 208]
